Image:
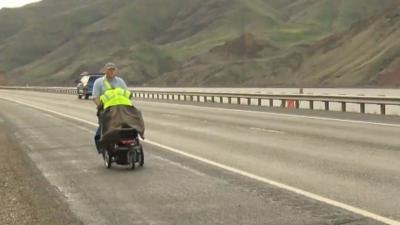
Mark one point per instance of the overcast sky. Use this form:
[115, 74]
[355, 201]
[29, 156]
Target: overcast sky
[15, 3]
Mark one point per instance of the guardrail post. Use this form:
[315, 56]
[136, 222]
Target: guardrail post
[271, 102]
[362, 108]
[259, 102]
[383, 109]
[239, 101]
[221, 99]
[229, 100]
[326, 105]
[248, 101]
[212, 99]
[344, 107]
[283, 103]
[297, 104]
[311, 104]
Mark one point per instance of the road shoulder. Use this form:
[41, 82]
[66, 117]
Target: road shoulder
[26, 196]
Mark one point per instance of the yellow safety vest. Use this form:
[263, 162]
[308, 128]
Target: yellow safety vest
[114, 96]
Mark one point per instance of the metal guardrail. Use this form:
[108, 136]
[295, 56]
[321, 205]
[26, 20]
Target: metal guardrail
[295, 100]
[61, 90]
[292, 100]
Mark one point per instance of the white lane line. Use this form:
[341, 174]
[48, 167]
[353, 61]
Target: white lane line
[267, 130]
[320, 198]
[281, 114]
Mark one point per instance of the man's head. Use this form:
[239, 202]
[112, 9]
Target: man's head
[110, 69]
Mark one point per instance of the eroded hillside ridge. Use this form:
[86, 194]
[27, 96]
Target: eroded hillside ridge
[201, 42]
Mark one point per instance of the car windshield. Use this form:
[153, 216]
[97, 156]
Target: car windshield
[92, 79]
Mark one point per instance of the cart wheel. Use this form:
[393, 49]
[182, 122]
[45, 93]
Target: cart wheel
[132, 160]
[141, 163]
[107, 159]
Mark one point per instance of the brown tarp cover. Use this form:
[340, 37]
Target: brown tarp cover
[117, 117]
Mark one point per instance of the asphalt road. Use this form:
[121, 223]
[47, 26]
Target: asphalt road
[347, 161]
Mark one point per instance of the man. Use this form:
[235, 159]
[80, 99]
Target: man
[109, 83]
[110, 70]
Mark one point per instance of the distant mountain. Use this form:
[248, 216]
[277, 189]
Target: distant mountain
[368, 54]
[200, 42]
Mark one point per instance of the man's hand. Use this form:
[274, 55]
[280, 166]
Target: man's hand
[100, 107]
[97, 101]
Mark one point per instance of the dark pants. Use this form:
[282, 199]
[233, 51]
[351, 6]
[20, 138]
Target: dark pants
[97, 136]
